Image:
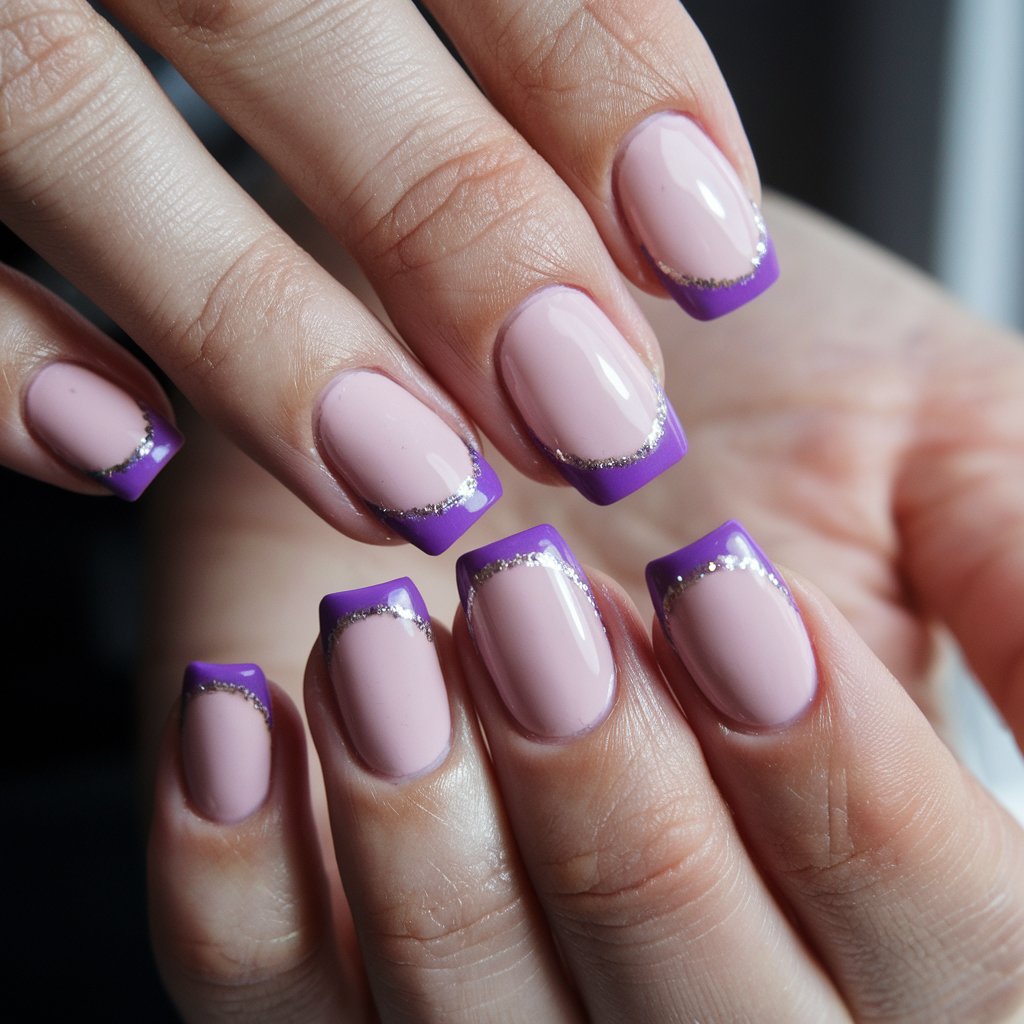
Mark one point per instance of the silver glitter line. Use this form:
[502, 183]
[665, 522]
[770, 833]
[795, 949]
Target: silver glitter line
[216, 686]
[710, 283]
[460, 496]
[657, 432]
[396, 611]
[723, 563]
[530, 559]
[142, 449]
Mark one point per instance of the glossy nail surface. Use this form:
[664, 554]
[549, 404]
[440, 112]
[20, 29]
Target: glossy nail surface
[591, 404]
[225, 739]
[382, 662]
[408, 465]
[98, 428]
[733, 623]
[693, 218]
[536, 625]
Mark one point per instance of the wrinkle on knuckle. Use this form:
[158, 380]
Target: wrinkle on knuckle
[54, 60]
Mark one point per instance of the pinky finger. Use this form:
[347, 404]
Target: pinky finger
[238, 897]
[75, 409]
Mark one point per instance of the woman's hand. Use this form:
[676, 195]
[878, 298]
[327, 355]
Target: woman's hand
[870, 437]
[606, 141]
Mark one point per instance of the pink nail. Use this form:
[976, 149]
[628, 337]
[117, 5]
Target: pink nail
[693, 218]
[733, 623]
[99, 429]
[382, 661]
[536, 625]
[225, 739]
[594, 407]
[410, 467]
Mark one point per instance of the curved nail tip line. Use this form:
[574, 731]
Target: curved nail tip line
[608, 485]
[129, 479]
[709, 303]
[244, 678]
[398, 598]
[436, 532]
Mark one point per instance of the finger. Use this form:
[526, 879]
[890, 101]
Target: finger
[627, 104]
[904, 875]
[75, 410]
[487, 264]
[239, 909]
[645, 882]
[447, 923]
[967, 469]
[258, 336]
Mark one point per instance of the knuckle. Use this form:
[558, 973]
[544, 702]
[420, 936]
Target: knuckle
[55, 58]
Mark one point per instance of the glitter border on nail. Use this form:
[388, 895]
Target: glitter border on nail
[217, 686]
[142, 449]
[714, 283]
[396, 611]
[460, 496]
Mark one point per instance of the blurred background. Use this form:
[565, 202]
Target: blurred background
[902, 120]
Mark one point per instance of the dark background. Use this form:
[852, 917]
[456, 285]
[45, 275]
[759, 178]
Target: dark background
[842, 108]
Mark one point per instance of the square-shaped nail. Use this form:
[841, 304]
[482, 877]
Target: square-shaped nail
[692, 216]
[225, 738]
[732, 620]
[592, 406]
[535, 622]
[383, 665]
[99, 429]
[415, 472]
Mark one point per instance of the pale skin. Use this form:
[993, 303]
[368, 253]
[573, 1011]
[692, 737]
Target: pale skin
[867, 432]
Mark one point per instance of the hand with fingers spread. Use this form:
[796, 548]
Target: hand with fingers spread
[493, 228]
[543, 816]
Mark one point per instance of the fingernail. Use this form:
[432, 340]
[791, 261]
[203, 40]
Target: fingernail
[593, 407]
[416, 474]
[225, 739]
[732, 621]
[99, 429]
[536, 625]
[693, 218]
[381, 659]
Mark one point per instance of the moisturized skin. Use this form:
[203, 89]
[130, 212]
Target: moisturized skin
[84, 418]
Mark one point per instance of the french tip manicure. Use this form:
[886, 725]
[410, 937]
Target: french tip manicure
[733, 623]
[225, 738]
[162, 443]
[692, 217]
[387, 680]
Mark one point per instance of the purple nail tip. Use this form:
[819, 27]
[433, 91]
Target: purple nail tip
[401, 593]
[606, 486]
[130, 482]
[729, 539]
[541, 538]
[437, 533]
[711, 303]
[246, 678]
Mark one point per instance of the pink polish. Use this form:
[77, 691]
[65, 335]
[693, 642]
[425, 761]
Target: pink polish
[98, 428]
[225, 739]
[590, 402]
[692, 216]
[381, 659]
[535, 623]
[411, 468]
[731, 619]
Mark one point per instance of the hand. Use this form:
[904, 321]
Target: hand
[863, 434]
[476, 220]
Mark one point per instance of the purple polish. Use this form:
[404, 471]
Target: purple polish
[129, 483]
[246, 678]
[401, 593]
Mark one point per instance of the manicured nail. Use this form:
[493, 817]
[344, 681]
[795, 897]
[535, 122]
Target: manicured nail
[732, 621]
[381, 659]
[416, 474]
[592, 406]
[693, 218]
[225, 739]
[99, 429]
[536, 625]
